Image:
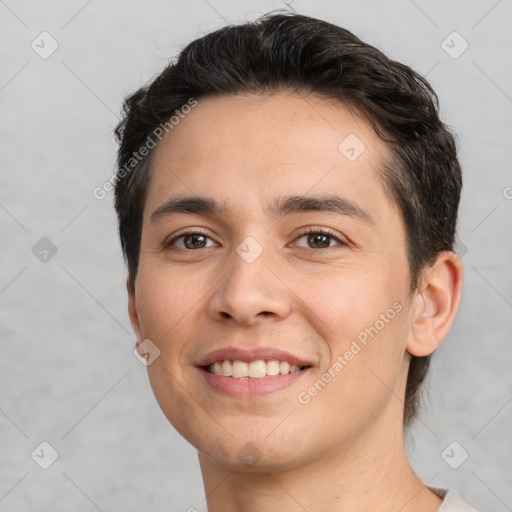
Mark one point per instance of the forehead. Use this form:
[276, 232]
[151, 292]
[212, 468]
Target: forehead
[244, 148]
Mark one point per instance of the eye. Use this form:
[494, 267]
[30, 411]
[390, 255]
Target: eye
[191, 240]
[321, 238]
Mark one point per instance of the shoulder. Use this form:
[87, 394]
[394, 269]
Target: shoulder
[452, 501]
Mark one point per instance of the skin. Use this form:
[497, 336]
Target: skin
[344, 449]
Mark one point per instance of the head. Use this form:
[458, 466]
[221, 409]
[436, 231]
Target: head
[288, 106]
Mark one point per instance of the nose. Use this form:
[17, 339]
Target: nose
[252, 288]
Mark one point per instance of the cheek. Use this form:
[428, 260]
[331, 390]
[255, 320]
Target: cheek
[347, 300]
[165, 304]
[165, 297]
[362, 318]
[361, 380]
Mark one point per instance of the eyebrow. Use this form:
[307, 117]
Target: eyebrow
[285, 205]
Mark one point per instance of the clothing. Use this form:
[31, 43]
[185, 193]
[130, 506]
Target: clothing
[452, 501]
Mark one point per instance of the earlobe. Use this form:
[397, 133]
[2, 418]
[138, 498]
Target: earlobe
[132, 311]
[435, 304]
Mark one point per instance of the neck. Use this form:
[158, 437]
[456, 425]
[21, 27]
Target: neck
[371, 472]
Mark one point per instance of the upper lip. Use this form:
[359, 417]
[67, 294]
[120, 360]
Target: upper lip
[248, 355]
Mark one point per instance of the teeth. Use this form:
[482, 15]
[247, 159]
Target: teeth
[240, 369]
[227, 371]
[272, 367]
[255, 369]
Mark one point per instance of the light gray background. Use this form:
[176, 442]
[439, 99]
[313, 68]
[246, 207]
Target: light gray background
[68, 375]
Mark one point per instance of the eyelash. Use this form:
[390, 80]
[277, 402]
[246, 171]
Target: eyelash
[308, 231]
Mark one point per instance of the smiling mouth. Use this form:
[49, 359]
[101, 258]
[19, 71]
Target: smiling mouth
[252, 370]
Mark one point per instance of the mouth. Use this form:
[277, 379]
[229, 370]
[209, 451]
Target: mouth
[244, 373]
[257, 369]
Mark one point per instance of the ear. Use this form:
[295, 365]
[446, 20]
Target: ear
[132, 311]
[435, 304]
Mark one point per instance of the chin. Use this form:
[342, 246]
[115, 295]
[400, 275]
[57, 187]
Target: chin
[253, 457]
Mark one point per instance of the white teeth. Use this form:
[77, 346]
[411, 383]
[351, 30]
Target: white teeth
[273, 367]
[255, 369]
[240, 369]
[284, 368]
[226, 369]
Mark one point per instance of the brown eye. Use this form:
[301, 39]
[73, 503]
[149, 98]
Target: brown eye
[195, 241]
[191, 240]
[320, 239]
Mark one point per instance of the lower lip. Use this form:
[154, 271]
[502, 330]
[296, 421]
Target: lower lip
[247, 388]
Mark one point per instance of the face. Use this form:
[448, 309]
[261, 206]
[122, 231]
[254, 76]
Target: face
[297, 257]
